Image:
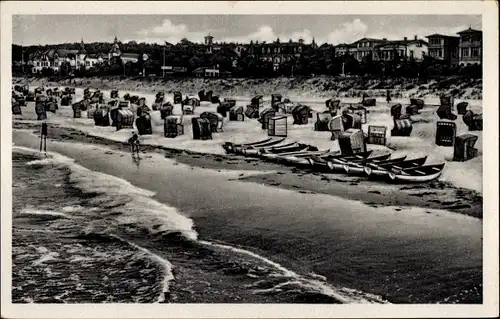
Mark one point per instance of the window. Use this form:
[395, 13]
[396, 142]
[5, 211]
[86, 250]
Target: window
[475, 52]
[465, 38]
[435, 41]
[465, 52]
[440, 53]
[411, 54]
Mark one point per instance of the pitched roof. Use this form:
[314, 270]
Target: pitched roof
[469, 30]
[401, 42]
[370, 39]
[93, 55]
[130, 55]
[64, 53]
[346, 45]
[437, 35]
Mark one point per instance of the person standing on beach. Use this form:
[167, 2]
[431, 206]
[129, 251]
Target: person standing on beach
[134, 142]
[43, 137]
[388, 96]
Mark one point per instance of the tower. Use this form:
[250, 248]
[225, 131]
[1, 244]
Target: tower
[115, 49]
[209, 40]
[81, 54]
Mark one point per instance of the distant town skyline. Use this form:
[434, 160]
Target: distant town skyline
[333, 29]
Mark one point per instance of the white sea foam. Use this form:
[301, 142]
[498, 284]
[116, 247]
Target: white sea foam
[147, 212]
[46, 257]
[31, 211]
[341, 294]
[168, 276]
[141, 210]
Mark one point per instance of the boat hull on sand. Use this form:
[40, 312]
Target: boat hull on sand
[361, 169]
[230, 147]
[272, 154]
[320, 163]
[420, 174]
[383, 171]
[298, 158]
[256, 151]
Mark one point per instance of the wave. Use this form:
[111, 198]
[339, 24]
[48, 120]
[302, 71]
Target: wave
[290, 282]
[41, 212]
[137, 208]
[136, 205]
[168, 275]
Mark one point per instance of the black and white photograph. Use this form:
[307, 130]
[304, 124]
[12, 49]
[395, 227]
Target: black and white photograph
[161, 153]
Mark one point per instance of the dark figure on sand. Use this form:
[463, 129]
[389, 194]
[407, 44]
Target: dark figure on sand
[388, 96]
[43, 137]
[134, 142]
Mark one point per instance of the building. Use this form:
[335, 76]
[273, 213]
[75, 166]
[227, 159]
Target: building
[444, 48]
[414, 49]
[211, 72]
[209, 40]
[54, 58]
[278, 52]
[344, 48]
[94, 59]
[367, 47]
[124, 56]
[470, 47]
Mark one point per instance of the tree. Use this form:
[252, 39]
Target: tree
[65, 68]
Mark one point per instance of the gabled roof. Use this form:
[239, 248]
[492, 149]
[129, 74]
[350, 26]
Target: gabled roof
[437, 35]
[470, 30]
[130, 55]
[93, 55]
[50, 53]
[65, 53]
[346, 45]
[401, 42]
[370, 39]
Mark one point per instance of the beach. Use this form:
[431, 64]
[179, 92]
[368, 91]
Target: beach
[204, 226]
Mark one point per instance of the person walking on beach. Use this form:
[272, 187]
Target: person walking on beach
[134, 142]
[43, 137]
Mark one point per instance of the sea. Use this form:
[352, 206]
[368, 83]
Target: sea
[83, 236]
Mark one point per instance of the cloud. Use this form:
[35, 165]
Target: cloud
[409, 32]
[266, 33]
[169, 32]
[348, 32]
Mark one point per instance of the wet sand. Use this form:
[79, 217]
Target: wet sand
[433, 195]
[404, 254]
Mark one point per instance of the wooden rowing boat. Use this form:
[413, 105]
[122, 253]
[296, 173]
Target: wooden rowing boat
[360, 155]
[353, 168]
[418, 174]
[320, 163]
[298, 158]
[230, 147]
[274, 152]
[240, 150]
[255, 151]
[381, 170]
[342, 165]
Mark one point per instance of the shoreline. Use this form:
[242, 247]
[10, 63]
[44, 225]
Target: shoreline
[435, 195]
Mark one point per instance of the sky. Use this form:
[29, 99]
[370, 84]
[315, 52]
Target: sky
[333, 29]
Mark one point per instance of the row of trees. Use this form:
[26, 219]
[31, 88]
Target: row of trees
[320, 61]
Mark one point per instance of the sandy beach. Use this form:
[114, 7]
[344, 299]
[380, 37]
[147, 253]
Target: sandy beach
[226, 228]
[320, 261]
